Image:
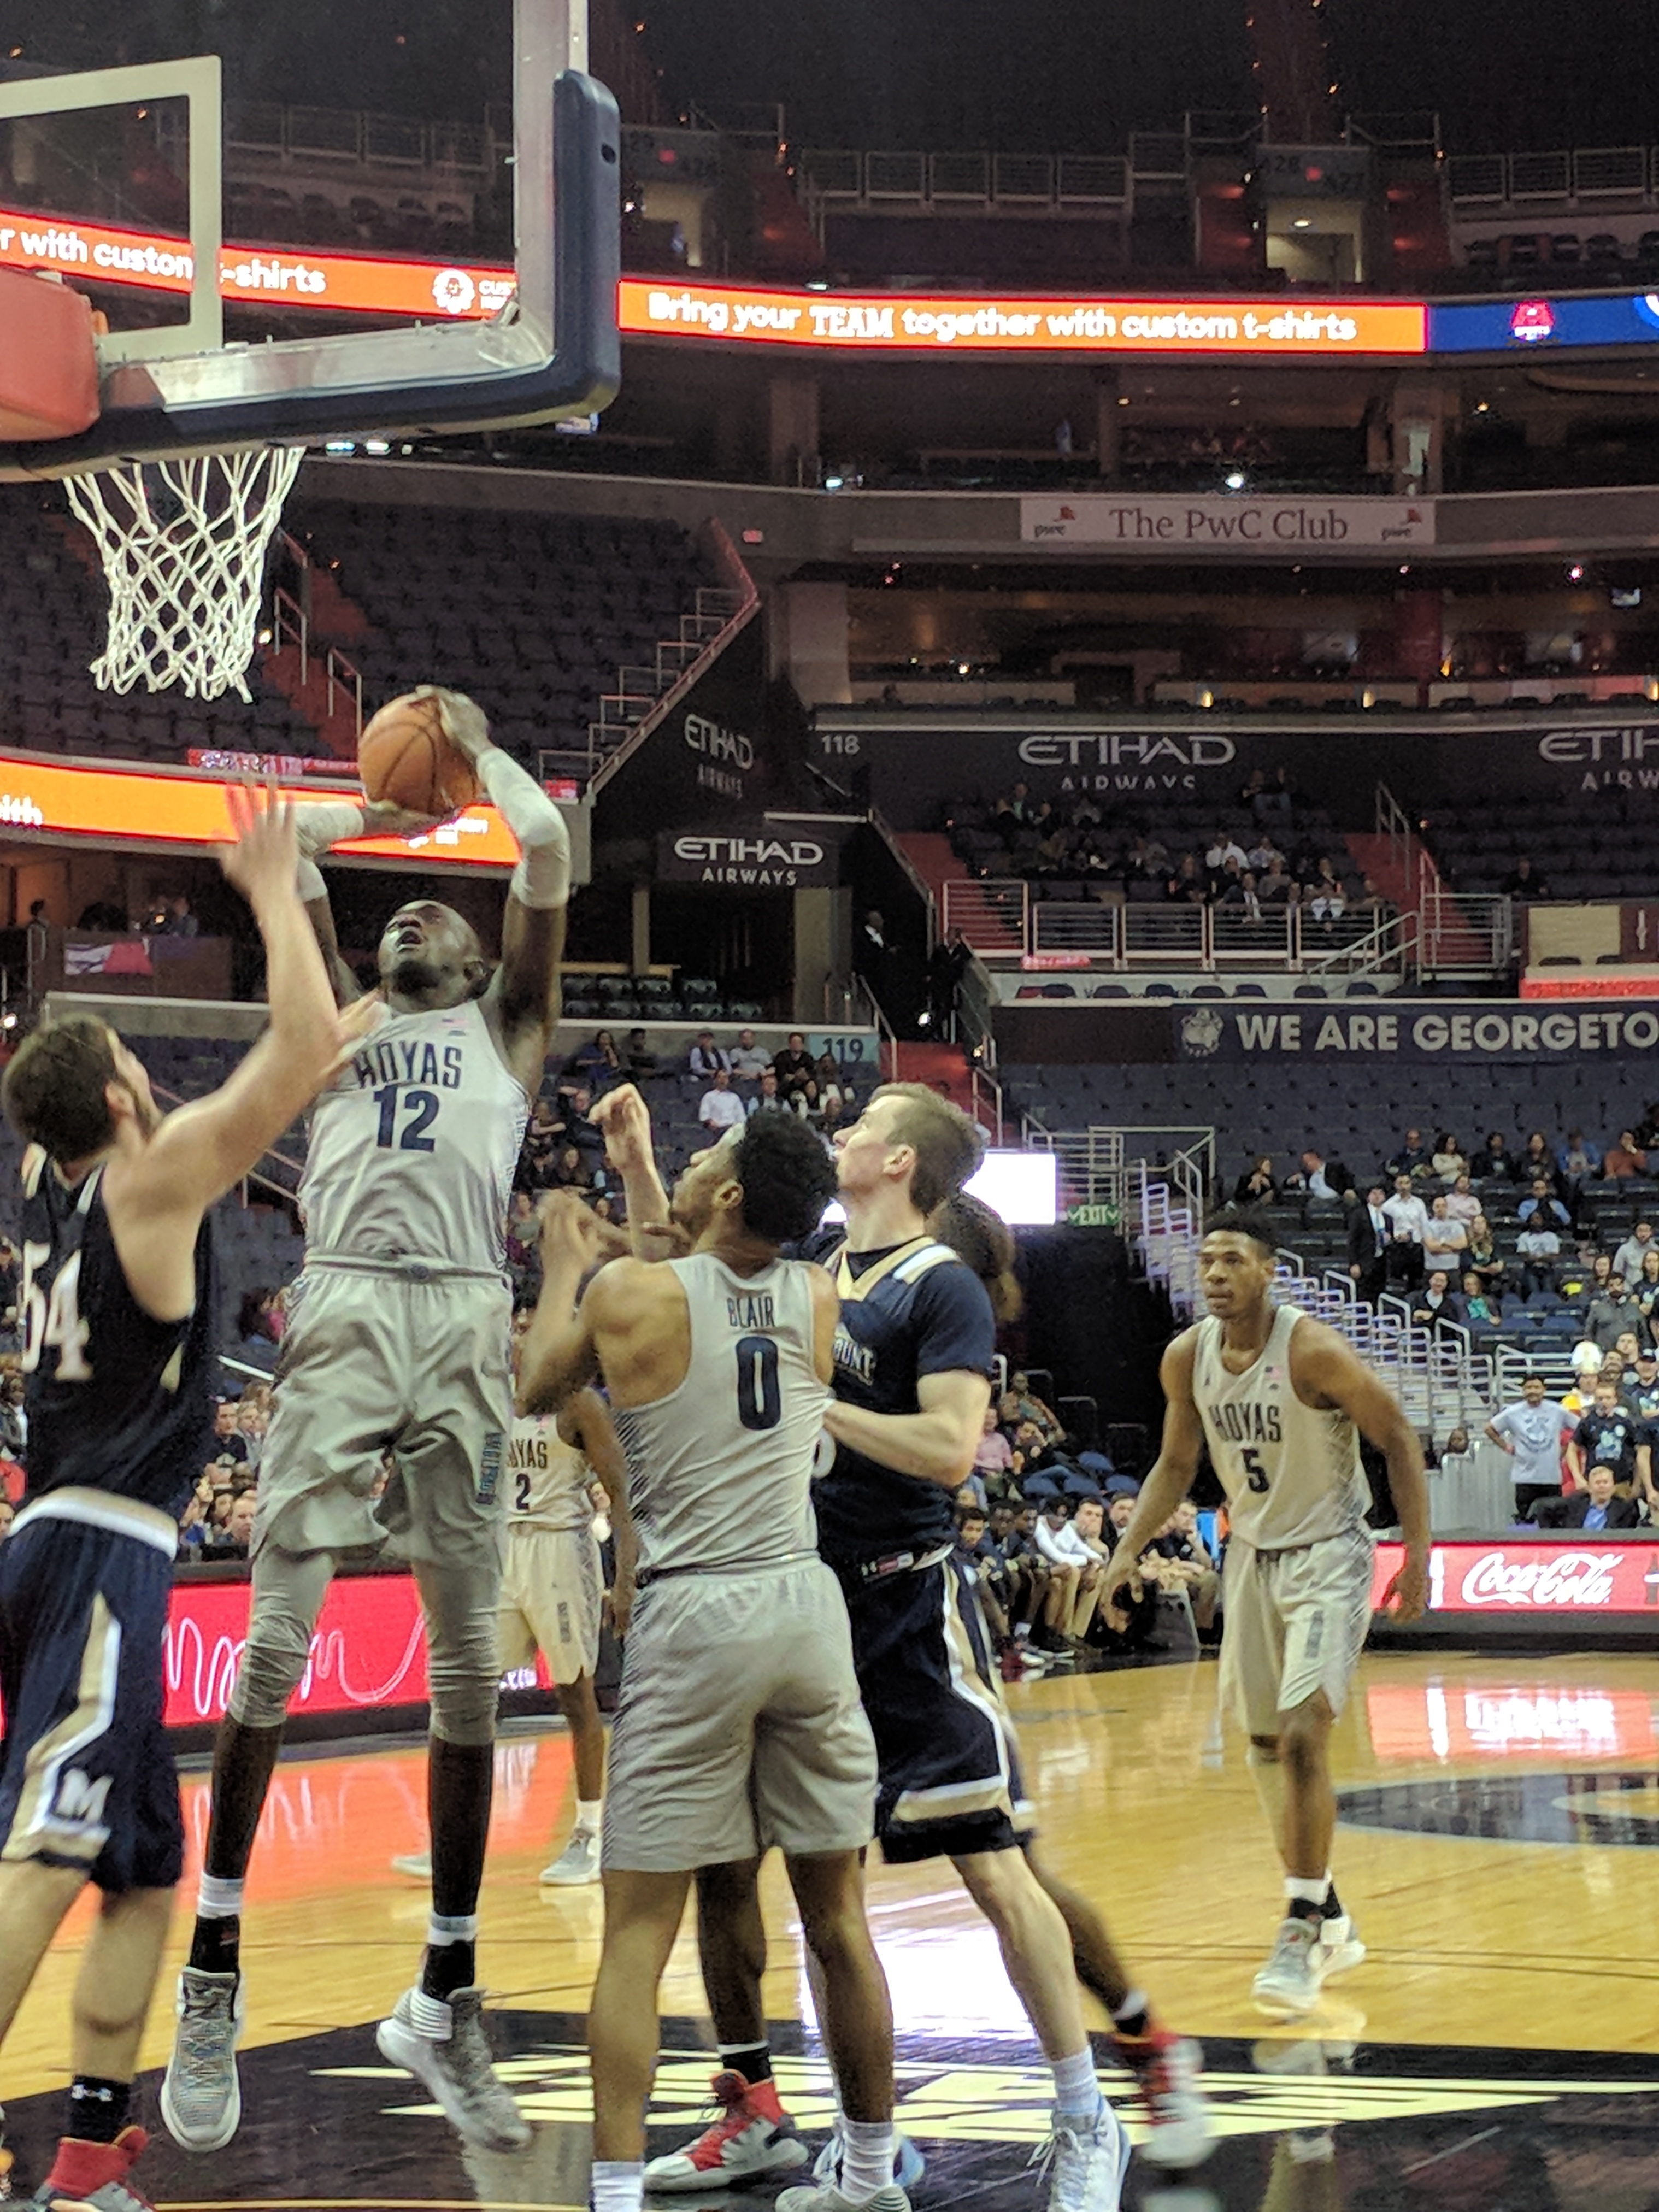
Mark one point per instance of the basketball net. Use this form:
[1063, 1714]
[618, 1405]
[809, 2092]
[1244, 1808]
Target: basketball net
[183, 544]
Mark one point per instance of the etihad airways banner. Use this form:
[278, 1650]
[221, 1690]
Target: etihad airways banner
[1234, 523]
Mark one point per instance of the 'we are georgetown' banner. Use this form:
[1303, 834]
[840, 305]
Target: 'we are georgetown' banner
[1408, 1031]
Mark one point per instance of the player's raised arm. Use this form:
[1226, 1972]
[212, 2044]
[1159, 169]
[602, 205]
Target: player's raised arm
[205, 1148]
[558, 1356]
[625, 1120]
[523, 999]
[585, 1422]
[1171, 1473]
[332, 822]
[1326, 1370]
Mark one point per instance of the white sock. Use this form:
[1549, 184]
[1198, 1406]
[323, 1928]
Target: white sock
[1310, 1890]
[431, 2016]
[590, 1812]
[459, 1928]
[218, 1900]
[1077, 2085]
[866, 2164]
[618, 2184]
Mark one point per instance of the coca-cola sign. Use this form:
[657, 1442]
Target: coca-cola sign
[1534, 1579]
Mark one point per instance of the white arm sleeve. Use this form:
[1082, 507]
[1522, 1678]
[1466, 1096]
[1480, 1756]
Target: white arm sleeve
[542, 877]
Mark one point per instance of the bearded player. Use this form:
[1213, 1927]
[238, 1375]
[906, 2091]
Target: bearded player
[396, 1343]
[1281, 1401]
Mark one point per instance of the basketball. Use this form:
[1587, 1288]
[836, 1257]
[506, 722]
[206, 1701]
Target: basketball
[404, 756]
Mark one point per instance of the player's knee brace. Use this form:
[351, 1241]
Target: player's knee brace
[273, 1660]
[464, 1676]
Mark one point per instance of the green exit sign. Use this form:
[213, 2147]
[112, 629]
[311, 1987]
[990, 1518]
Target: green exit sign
[1104, 1216]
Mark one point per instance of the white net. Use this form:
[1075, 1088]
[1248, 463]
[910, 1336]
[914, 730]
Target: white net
[183, 544]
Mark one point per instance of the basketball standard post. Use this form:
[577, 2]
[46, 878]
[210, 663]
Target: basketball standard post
[192, 446]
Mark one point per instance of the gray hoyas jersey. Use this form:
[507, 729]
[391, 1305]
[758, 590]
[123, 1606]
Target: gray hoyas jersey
[547, 1479]
[720, 1471]
[414, 1145]
[1292, 1472]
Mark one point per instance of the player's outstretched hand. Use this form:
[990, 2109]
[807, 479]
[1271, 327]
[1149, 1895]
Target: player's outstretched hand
[1407, 1596]
[382, 819]
[570, 1232]
[624, 1119]
[465, 724]
[266, 854]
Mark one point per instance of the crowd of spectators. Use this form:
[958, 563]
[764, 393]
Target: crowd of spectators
[1268, 867]
[1036, 1522]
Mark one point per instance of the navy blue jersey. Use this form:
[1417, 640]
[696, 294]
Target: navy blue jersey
[913, 1310]
[117, 1400]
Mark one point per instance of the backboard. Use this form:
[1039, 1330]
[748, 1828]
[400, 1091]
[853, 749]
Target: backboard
[416, 334]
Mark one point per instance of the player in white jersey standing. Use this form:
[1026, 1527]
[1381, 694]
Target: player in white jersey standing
[552, 1595]
[1281, 1401]
[739, 1725]
[396, 1341]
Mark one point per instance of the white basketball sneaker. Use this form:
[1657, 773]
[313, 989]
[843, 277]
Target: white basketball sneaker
[577, 1865]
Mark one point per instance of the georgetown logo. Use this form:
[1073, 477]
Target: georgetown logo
[1201, 1033]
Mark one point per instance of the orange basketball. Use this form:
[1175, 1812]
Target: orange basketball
[404, 756]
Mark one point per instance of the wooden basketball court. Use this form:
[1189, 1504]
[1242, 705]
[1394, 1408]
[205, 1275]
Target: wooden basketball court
[1497, 2048]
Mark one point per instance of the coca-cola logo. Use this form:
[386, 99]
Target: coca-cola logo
[1565, 1578]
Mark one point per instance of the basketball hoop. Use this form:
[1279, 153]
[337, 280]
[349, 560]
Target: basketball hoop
[183, 543]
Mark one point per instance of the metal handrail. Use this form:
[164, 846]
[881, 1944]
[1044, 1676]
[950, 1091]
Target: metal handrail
[346, 676]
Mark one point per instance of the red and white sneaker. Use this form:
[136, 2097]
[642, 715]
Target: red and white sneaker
[1166, 2070]
[750, 2136]
[88, 2177]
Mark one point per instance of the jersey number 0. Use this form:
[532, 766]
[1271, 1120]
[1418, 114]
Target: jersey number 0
[760, 1400]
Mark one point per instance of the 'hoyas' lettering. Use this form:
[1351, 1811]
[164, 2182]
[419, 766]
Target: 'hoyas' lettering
[412, 1061]
[1247, 1424]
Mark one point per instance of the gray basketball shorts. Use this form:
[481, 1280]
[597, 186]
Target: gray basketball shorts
[404, 1361]
[1294, 1622]
[739, 1724]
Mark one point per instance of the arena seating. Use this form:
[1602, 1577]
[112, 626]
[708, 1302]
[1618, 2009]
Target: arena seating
[1604, 845]
[532, 614]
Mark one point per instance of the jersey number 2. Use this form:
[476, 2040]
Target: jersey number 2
[760, 1402]
[424, 1112]
[1255, 1473]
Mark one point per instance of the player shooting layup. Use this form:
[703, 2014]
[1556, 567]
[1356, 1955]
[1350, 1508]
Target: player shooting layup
[397, 1340]
[118, 1311]
[739, 1725]
[1281, 1400]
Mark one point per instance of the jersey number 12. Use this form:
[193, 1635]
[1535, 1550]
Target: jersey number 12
[422, 1113]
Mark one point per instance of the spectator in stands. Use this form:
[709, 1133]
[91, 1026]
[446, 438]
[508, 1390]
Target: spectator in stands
[1073, 1577]
[1187, 887]
[569, 1171]
[1443, 1238]
[797, 1071]
[253, 1421]
[1256, 1186]
[1438, 1306]
[1631, 1255]
[1577, 1160]
[1624, 1159]
[1627, 1345]
[1225, 851]
[1586, 1364]
[1610, 1314]
[228, 1441]
[179, 920]
[1263, 853]
[974, 1551]
[1412, 1160]
[1368, 1231]
[1322, 1178]
[258, 1327]
[1610, 1436]
[1324, 896]
[239, 1523]
[1532, 1431]
[1029, 1407]
[1482, 1308]
[750, 1060]
[1542, 1205]
[720, 1108]
[706, 1058]
[524, 1230]
[1644, 1291]
[1644, 1389]
[994, 1459]
[1597, 1506]
[541, 1140]
[1539, 1248]
[1447, 1161]
[1524, 881]
[1536, 1160]
[14, 1421]
[1406, 1212]
[1483, 1257]
[598, 1062]
[1461, 1204]
[638, 1058]
[768, 1099]
[1402, 1265]
[1497, 1163]
[1183, 1562]
[580, 1127]
[1276, 887]
[826, 1074]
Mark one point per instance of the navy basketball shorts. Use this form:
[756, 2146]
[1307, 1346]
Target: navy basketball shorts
[87, 1773]
[950, 1780]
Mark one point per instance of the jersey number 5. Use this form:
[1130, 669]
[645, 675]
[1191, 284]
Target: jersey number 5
[1255, 1473]
[54, 1321]
[760, 1401]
